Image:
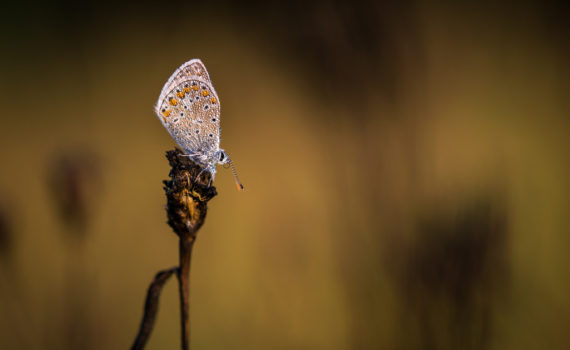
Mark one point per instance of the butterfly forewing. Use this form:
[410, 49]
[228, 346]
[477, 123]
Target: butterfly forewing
[190, 110]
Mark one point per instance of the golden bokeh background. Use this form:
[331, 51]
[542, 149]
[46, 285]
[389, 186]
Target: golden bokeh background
[406, 170]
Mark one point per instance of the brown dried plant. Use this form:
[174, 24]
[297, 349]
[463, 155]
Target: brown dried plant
[187, 195]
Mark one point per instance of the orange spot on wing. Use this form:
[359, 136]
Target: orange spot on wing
[166, 113]
[213, 99]
[180, 94]
[205, 93]
[173, 102]
[187, 90]
[195, 87]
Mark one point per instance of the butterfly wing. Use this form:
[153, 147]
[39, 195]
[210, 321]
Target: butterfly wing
[192, 68]
[189, 109]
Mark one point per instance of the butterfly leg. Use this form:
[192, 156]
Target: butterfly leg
[193, 155]
[200, 173]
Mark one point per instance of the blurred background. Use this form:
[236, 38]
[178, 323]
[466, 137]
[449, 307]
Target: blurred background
[406, 169]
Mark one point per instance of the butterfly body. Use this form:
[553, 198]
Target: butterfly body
[189, 108]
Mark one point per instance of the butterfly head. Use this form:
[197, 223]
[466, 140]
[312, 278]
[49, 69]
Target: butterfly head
[222, 158]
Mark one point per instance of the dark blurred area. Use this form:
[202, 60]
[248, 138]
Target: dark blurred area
[406, 166]
[74, 179]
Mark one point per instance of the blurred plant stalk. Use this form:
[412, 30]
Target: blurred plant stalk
[74, 179]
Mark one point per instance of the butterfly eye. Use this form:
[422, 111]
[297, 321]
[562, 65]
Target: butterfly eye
[222, 156]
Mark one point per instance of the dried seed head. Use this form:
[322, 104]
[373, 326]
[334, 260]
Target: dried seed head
[187, 194]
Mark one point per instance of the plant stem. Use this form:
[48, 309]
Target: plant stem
[151, 307]
[185, 251]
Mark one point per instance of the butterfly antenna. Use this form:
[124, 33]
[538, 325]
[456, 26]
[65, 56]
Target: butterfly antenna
[236, 178]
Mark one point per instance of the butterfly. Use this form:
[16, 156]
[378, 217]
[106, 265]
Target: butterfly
[189, 108]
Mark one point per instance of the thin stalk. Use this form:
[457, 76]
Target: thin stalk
[151, 307]
[185, 250]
